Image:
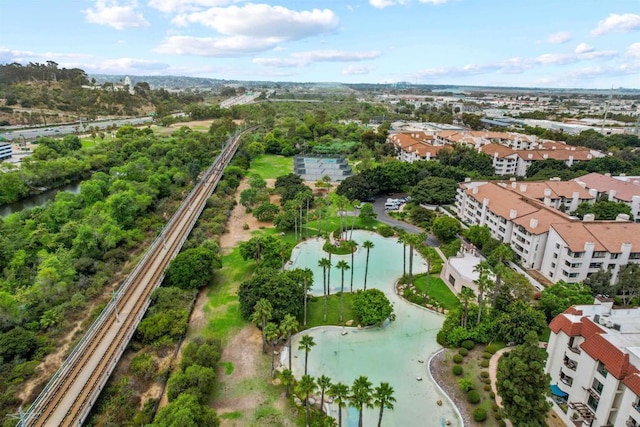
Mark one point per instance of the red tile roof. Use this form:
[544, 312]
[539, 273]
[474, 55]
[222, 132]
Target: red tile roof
[633, 381]
[615, 360]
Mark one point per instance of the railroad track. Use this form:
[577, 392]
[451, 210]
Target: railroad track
[71, 393]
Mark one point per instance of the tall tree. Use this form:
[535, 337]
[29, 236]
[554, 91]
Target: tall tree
[402, 238]
[628, 283]
[352, 246]
[340, 394]
[325, 264]
[484, 283]
[368, 245]
[262, 312]
[414, 240]
[288, 326]
[523, 385]
[288, 380]
[383, 398]
[465, 296]
[272, 335]
[306, 344]
[361, 396]
[342, 265]
[324, 383]
[306, 386]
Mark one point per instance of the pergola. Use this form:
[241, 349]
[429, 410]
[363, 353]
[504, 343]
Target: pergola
[585, 412]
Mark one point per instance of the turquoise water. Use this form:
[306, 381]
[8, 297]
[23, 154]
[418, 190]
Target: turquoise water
[396, 353]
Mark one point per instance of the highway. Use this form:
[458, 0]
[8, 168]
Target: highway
[70, 394]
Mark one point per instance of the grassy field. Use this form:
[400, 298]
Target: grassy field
[438, 290]
[315, 310]
[271, 166]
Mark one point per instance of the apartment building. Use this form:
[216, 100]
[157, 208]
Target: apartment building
[594, 364]
[575, 250]
[413, 146]
[614, 189]
[5, 151]
[531, 218]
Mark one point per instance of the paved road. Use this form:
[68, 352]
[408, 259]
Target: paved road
[378, 207]
[60, 130]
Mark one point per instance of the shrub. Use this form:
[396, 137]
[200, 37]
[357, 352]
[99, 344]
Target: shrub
[492, 395]
[495, 408]
[386, 231]
[487, 387]
[473, 397]
[484, 374]
[484, 363]
[479, 415]
[486, 355]
[497, 415]
[457, 370]
[492, 348]
[468, 344]
[457, 358]
[502, 423]
[463, 352]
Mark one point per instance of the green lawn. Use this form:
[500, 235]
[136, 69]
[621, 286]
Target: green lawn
[438, 290]
[87, 142]
[270, 166]
[315, 311]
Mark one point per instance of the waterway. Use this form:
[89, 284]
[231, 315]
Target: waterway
[37, 200]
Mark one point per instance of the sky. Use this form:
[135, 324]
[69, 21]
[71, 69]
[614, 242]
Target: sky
[526, 43]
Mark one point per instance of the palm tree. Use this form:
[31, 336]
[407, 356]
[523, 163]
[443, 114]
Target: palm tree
[342, 265]
[383, 398]
[413, 240]
[284, 249]
[325, 264]
[262, 311]
[402, 238]
[465, 296]
[340, 394]
[306, 343]
[483, 283]
[368, 245]
[352, 245]
[308, 275]
[288, 326]
[287, 379]
[272, 335]
[427, 277]
[324, 382]
[306, 386]
[329, 276]
[502, 254]
[361, 396]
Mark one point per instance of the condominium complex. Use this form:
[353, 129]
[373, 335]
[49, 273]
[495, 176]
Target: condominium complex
[594, 364]
[616, 189]
[412, 146]
[531, 218]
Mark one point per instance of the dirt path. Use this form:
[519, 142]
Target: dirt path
[236, 231]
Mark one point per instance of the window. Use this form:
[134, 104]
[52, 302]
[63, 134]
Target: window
[634, 255]
[601, 368]
[615, 256]
[553, 265]
[593, 403]
[611, 266]
[597, 386]
[551, 274]
[573, 275]
[565, 273]
[555, 256]
[599, 254]
[452, 280]
[557, 245]
[595, 265]
[566, 378]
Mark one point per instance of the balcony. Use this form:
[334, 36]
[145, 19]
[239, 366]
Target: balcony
[566, 380]
[570, 364]
[576, 350]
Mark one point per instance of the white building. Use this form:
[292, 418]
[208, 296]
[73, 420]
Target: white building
[594, 356]
[575, 250]
[5, 151]
[615, 189]
[413, 146]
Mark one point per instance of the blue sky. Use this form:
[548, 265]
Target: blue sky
[542, 43]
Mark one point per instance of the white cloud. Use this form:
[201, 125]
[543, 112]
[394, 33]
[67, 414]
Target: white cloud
[214, 46]
[130, 64]
[262, 20]
[356, 70]
[302, 59]
[109, 12]
[583, 48]
[634, 50]
[559, 38]
[617, 23]
[435, 1]
[170, 6]
[381, 4]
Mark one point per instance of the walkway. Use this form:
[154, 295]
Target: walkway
[378, 208]
[493, 374]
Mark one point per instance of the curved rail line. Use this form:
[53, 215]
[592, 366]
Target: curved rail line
[72, 391]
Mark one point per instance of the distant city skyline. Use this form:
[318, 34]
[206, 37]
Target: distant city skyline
[525, 43]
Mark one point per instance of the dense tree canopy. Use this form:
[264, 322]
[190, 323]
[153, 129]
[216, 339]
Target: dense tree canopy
[372, 307]
[192, 268]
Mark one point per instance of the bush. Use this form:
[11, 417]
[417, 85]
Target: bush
[457, 358]
[492, 395]
[487, 387]
[484, 374]
[495, 408]
[486, 355]
[473, 397]
[463, 352]
[492, 348]
[468, 344]
[484, 363]
[502, 423]
[479, 415]
[386, 231]
[497, 415]
[457, 370]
